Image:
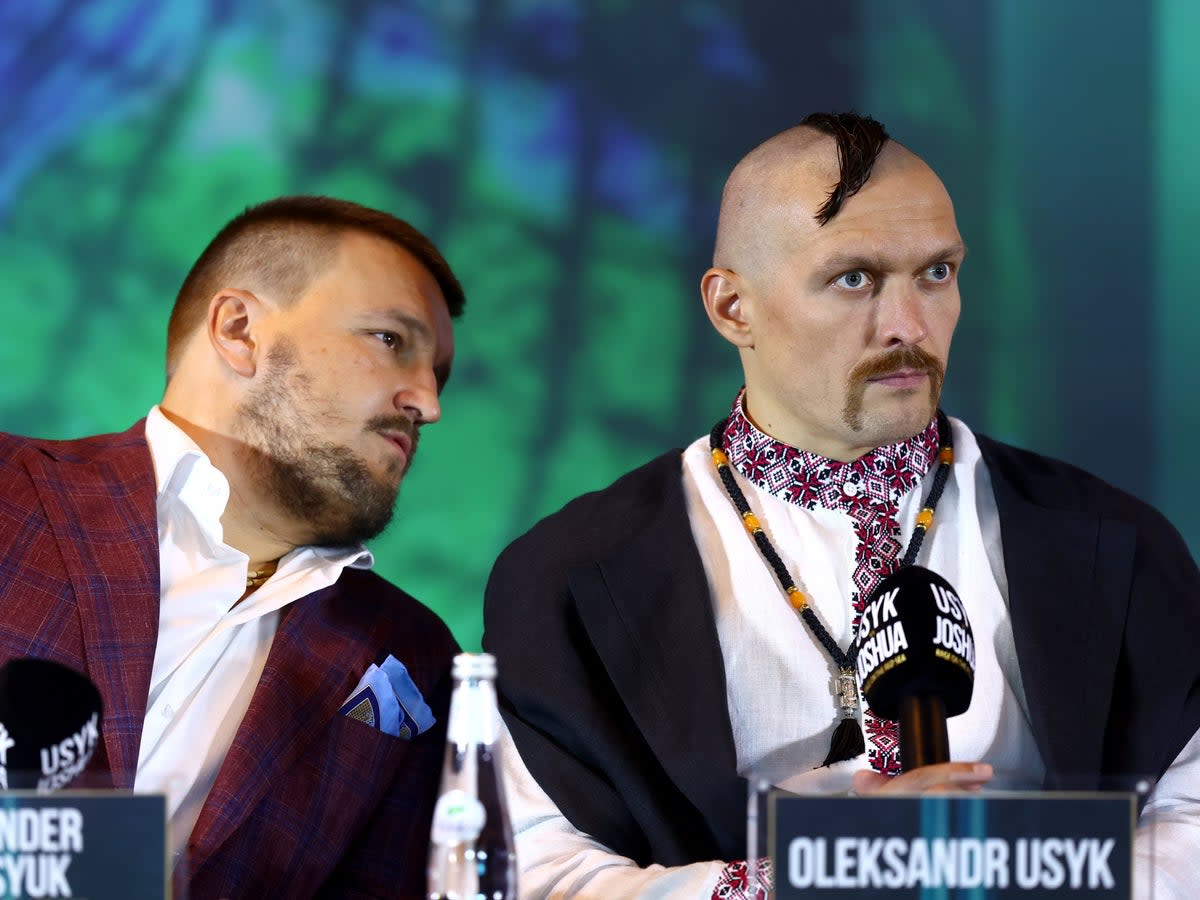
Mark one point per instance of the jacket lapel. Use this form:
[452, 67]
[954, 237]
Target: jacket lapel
[314, 664]
[1068, 582]
[647, 612]
[101, 511]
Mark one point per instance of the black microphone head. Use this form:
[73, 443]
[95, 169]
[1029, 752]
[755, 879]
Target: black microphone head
[49, 724]
[914, 640]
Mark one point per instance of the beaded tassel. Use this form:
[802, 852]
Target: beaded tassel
[847, 740]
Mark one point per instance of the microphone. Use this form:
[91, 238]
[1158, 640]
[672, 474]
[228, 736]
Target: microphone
[916, 660]
[49, 724]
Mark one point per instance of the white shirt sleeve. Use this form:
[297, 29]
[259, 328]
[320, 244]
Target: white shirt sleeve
[1168, 834]
[556, 860]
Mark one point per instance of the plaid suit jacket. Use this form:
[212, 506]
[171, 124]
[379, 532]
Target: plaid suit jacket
[307, 802]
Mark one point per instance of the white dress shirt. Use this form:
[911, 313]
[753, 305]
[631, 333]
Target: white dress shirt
[773, 664]
[211, 649]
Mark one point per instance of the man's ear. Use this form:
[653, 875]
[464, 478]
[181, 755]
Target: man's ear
[721, 290]
[232, 319]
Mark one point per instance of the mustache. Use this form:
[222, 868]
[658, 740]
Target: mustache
[401, 424]
[908, 358]
[904, 358]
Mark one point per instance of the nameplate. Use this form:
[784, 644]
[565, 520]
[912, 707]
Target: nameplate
[97, 845]
[1024, 845]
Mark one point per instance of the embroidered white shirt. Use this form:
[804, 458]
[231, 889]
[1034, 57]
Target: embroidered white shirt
[773, 665]
[211, 649]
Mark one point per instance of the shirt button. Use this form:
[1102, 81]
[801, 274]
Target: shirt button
[850, 489]
[168, 711]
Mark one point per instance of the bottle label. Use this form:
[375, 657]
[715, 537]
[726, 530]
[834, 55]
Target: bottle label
[458, 818]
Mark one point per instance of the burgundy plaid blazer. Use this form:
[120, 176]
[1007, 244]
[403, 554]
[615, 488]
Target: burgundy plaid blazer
[307, 802]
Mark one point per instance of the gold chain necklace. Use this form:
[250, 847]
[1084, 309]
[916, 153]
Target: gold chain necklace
[256, 578]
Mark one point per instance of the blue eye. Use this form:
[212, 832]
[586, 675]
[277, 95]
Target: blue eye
[940, 272]
[854, 280]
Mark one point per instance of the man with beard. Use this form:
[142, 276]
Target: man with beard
[206, 568]
[691, 620]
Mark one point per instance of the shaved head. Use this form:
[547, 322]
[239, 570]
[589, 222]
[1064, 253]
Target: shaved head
[836, 277]
[795, 182]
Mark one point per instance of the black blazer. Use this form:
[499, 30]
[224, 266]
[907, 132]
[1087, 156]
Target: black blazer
[613, 685]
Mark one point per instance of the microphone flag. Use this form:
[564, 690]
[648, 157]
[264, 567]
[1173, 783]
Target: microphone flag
[49, 724]
[914, 639]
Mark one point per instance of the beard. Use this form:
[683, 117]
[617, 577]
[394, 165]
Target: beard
[326, 487]
[907, 357]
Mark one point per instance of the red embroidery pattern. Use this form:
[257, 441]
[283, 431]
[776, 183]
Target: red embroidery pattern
[735, 882]
[868, 490]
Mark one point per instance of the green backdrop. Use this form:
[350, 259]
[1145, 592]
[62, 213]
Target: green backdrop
[567, 156]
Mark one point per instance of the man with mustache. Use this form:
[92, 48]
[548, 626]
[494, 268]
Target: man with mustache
[652, 649]
[206, 568]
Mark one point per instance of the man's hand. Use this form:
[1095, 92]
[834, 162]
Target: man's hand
[951, 777]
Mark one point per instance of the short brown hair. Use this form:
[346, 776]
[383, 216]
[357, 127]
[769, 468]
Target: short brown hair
[285, 244]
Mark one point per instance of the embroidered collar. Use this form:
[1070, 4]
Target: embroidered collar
[878, 479]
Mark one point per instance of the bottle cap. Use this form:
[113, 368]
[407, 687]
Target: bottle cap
[474, 665]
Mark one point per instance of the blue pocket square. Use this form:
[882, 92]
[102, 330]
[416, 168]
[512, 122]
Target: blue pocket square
[387, 699]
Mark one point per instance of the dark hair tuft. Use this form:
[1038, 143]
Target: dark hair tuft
[859, 142]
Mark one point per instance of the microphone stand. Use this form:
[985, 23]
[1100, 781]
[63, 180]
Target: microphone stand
[923, 737]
